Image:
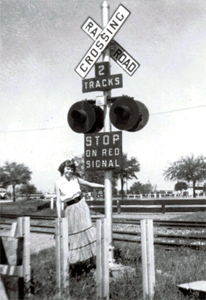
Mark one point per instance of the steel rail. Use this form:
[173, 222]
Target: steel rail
[164, 223]
[163, 243]
[124, 232]
[129, 236]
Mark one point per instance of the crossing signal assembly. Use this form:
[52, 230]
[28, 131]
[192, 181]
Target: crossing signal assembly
[85, 117]
[128, 114]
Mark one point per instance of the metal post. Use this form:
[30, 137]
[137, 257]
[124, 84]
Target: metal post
[107, 128]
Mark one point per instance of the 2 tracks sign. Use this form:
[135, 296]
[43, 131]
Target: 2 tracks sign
[103, 80]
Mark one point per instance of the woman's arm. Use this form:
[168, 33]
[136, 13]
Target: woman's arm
[58, 203]
[90, 184]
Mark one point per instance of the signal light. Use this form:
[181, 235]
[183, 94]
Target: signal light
[128, 114]
[85, 117]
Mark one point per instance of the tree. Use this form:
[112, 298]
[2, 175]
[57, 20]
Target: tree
[147, 188]
[136, 188]
[28, 189]
[181, 185]
[14, 174]
[139, 188]
[128, 170]
[188, 168]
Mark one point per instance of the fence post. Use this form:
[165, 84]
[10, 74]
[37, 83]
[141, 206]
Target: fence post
[23, 230]
[26, 255]
[13, 231]
[62, 255]
[102, 260]
[52, 203]
[65, 252]
[58, 256]
[118, 207]
[163, 208]
[148, 269]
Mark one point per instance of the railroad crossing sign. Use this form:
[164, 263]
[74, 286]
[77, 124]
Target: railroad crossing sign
[115, 23]
[117, 52]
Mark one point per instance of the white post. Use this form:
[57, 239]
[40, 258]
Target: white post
[52, 203]
[65, 252]
[62, 255]
[26, 254]
[102, 260]
[58, 256]
[99, 281]
[148, 269]
[144, 258]
[23, 230]
[107, 128]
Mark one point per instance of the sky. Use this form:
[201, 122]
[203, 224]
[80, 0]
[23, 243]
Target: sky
[42, 43]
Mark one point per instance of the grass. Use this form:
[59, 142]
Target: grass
[21, 207]
[179, 266]
[172, 268]
[194, 217]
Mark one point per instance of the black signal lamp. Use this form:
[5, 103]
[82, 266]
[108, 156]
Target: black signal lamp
[128, 114]
[85, 117]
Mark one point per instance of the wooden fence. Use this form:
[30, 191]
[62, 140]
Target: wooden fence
[62, 259]
[152, 205]
[15, 259]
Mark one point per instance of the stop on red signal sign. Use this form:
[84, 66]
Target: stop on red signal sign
[103, 151]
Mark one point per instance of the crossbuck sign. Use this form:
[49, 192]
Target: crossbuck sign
[117, 52]
[99, 45]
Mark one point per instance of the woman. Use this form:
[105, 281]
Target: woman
[82, 234]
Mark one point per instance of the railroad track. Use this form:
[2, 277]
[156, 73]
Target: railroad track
[168, 240]
[33, 217]
[159, 223]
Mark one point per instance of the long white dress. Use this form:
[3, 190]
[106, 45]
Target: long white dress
[82, 234]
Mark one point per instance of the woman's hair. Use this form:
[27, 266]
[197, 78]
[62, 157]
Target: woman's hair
[67, 163]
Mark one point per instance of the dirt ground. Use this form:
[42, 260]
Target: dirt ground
[38, 241]
[41, 241]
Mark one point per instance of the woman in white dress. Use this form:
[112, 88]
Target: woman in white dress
[82, 234]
